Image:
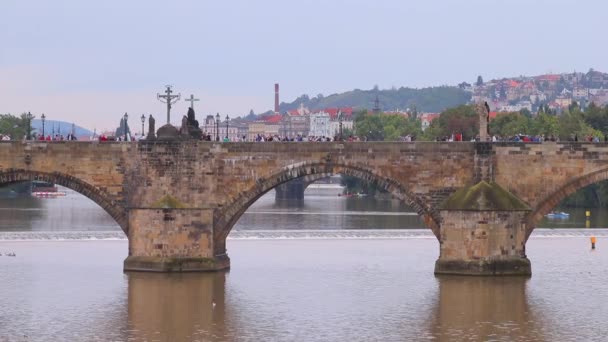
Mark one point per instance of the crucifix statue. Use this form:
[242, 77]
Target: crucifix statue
[191, 99]
[169, 100]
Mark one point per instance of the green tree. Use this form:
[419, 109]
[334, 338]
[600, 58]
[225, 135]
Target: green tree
[462, 119]
[15, 127]
[370, 127]
[574, 123]
[389, 127]
[545, 124]
[510, 124]
[597, 117]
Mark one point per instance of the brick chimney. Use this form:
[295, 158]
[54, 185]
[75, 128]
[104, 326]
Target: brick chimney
[276, 98]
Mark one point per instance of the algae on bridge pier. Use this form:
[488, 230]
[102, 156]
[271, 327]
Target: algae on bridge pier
[484, 196]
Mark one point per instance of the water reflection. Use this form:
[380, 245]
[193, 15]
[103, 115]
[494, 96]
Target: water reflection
[328, 212]
[21, 213]
[72, 212]
[176, 307]
[482, 309]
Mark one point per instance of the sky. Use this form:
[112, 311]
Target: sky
[89, 62]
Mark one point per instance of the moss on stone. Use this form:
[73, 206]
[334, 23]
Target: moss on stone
[168, 202]
[484, 196]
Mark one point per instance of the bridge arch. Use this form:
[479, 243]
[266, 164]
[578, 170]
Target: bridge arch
[226, 217]
[552, 200]
[115, 210]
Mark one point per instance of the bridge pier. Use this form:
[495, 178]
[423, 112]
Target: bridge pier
[172, 240]
[293, 190]
[483, 232]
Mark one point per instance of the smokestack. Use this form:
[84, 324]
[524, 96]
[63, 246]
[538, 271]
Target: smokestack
[276, 98]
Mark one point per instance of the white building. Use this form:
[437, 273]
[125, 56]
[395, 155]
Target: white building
[320, 125]
[218, 130]
[517, 107]
[580, 93]
[335, 127]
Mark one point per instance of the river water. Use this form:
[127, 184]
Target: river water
[330, 269]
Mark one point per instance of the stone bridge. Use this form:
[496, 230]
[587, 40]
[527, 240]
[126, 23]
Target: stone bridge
[177, 201]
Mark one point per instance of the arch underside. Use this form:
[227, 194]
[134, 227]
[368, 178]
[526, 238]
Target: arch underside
[551, 201]
[116, 211]
[225, 218]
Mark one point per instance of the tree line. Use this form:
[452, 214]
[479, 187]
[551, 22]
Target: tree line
[16, 127]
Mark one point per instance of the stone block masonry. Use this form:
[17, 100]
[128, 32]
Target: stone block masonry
[178, 200]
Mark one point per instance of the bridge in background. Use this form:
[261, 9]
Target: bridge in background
[178, 200]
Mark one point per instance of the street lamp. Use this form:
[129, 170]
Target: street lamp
[143, 119]
[227, 119]
[124, 129]
[217, 127]
[42, 117]
[340, 121]
[29, 126]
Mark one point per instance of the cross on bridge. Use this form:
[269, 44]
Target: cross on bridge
[169, 100]
[191, 99]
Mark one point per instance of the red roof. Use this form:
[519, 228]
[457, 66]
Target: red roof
[493, 115]
[293, 112]
[429, 116]
[548, 77]
[273, 119]
[513, 84]
[333, 112]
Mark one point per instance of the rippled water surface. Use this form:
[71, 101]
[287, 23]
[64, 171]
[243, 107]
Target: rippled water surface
[297, 277]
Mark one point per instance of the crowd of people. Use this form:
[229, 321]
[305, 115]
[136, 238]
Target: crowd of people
[525, 138]
[279, 138]
[301, 138]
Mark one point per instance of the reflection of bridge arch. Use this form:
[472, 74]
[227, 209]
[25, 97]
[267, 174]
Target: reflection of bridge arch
[115, 210]
[294, 189]
[551, 201]
[227, 217]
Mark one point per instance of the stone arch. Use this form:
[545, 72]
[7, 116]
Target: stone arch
[116, 211]
[551, 201]
[226, 217]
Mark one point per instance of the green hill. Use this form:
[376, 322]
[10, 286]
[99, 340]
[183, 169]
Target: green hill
[433, 99]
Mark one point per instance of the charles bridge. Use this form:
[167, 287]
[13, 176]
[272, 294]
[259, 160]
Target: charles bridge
[178, 200]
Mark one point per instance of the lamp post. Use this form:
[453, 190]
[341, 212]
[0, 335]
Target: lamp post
[42, 117]
[29, 126]
[340, 122]
[290, 127]
[227, 120]
[143, 119]
[125, 118]
[217, 127]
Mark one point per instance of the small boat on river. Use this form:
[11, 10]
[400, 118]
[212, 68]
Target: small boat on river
[558, 215]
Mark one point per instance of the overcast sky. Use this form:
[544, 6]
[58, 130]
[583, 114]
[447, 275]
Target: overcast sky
[91, 61]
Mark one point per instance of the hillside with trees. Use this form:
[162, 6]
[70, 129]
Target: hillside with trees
[433, 99]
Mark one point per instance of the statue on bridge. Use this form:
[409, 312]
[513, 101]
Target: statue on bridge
[190, 127]
[151, 129]
[483, 110]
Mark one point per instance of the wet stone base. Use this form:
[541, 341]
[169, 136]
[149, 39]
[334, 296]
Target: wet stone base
[496, 267]
[158, 264]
